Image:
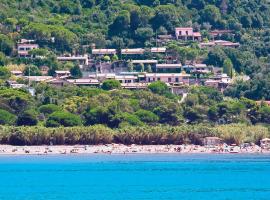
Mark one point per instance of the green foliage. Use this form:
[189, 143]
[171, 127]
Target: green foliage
[76, 71]
[65, 119]
[27, 118]
[147, 116]
[110, 85]
[159, 87]
[49, 109]
[4, 73]
[6, 44]
[228, 67]
[3, 59]
[32, 70]
[7, 118]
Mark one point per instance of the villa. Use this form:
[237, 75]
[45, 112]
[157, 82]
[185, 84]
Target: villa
[104, 51]
[24, 46]
[187, 33]
[83, 60]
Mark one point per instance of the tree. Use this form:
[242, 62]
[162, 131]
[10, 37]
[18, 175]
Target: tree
[3, 59]
[6, 44]
[210, 14]
[98, 115]
[147, 116]
[49, 109]
[4, 73]
[159, 87]
[120, 24]
[6, 118]
[27, 118]
[111, 84]
[76, 72]
[61, 118]
[32, 70]
[228, 67]
[144, 34]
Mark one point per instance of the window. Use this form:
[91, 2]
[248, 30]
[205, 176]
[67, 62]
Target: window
[186, 32]
[158, 79]
[169, 80]
[176, 79]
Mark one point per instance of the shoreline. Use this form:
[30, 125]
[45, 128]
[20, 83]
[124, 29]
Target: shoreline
[110, 149]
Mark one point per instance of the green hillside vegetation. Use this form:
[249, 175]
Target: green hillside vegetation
[151, 116]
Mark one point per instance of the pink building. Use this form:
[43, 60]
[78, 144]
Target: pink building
[23, 49]
[187, 33]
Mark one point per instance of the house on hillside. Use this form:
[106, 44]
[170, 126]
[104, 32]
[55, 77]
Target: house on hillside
[169, 68]
[219, 81]
[98, 52]
[82, 59]
[62, 74]
[24, 46]
[187, 33]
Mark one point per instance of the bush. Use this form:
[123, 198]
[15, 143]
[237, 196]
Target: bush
[49, 109]
[159, 87]
[147, 116]
[111, 84]
[27, 118]
[65, 119]
[7, 118]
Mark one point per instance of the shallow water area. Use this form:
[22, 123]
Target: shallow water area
[135, 176]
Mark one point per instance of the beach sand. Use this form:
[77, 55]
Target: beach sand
[126, 149]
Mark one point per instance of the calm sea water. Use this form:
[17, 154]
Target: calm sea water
[150, 177]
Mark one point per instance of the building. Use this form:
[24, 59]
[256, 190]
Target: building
[84, 82]
[16, 73]
[197, 69]
[211, 141]
[38, 78]
[218, 33]
[138, 51]
[223, 43]
[171, 78]
[176, 68]
[104, 51]
[219, 81]
[151, 62]
[158, 50]
[24, 48]
[83, 59]
[62, 73]
[187, 33]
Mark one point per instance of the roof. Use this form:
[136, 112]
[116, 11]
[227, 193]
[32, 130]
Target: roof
[16, 72]
[200, 65]
[72, 58]
[27, 45]
[39, 78]
[158, 49]
[144, 61]
[169, 66]
[103, 51]
[166, 75]
[132, 51]
[183, 28]
[83, 81]
[62, 72]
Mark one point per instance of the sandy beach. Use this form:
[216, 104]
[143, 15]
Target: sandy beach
[130, 149]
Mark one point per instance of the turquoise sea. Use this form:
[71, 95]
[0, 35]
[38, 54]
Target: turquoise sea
[148, 177]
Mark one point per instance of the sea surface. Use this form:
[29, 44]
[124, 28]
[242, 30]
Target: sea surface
[148, 177]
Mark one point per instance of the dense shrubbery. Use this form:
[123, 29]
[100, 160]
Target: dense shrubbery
[99, 134]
